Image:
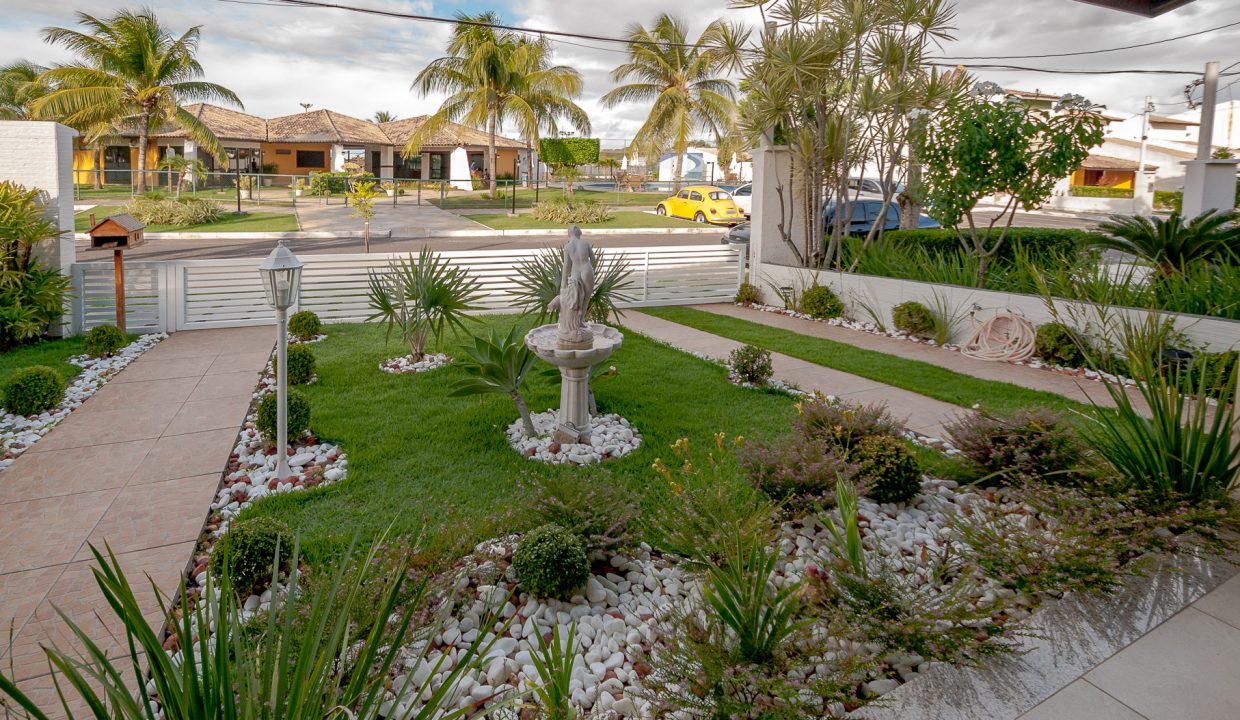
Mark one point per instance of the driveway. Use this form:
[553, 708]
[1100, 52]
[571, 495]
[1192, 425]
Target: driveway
[406, 219]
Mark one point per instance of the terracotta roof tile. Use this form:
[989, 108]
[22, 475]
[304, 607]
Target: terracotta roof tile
[449, 136]
[1106, 162]
[324, 126]
[226, 124]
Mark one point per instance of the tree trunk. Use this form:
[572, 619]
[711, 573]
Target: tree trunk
[144, 130]
[525, 414]
[491, 160]
[99, 168]
[910, 209]
[680, 168]
[366, 236]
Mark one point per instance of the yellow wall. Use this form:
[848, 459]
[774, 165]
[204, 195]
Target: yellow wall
[287, 164]
[1119, 179]
[504, 158]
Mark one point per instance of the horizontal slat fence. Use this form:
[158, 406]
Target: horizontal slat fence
[199, 294]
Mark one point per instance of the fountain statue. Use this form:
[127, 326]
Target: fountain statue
[574, 344]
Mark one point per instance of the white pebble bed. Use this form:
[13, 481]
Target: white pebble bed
[294, 340]
[19, 432]
[611, 436]
[409, 364]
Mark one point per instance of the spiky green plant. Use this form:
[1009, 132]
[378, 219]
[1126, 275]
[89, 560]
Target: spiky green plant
[539, 276]
[498, 364]
[554, 664]
[1171, 243]
[759, 617]
[846, 543]
[421, 298]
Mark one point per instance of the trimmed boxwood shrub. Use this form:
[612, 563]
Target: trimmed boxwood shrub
[304, 325]
[300, 364]
[887, 466]
[1038, 243]
[751, 364]
[104, 340]
[32, 390]
[1058, 343]
[551, 562]
[913, 318]
[820, 303]
[247, 552]
[298, 415]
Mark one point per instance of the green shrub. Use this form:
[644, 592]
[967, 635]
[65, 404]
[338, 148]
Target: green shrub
[304, 325]
[913, 318]
[300, 364]
[888, 466]
[298, 415]
[30, 303]
[794, 470]
[599, 510]
[1037, 243]
[551, 562]
[562, 212]
[819, 302]
[1169, 200]
[104, 340]
[1030, 444]
[1100, 192]
[1058, 343]
[32, 390]
[842, 424]
[172, 211]
[751, 364]
[1213, 371]
[748, 294]
[247, 552]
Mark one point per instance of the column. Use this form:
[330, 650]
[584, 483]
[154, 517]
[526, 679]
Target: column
[387, 161]
[337, 158]
[426, 165]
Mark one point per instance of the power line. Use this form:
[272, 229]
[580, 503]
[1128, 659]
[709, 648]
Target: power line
[1058, 71]
[1094, 52]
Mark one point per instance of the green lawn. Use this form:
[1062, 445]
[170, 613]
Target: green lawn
[919, 377]
[619, 220]
[52, 353]
[229, 222]
[525, 198]
[415, 453]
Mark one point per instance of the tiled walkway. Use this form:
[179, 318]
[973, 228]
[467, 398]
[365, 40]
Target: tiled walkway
[135, 467]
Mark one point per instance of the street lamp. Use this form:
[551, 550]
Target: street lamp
[235, 158]
[281, 275]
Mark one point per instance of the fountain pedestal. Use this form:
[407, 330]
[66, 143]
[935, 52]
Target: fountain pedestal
[575, 361]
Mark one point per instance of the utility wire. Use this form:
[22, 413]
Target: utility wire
[1094, 52]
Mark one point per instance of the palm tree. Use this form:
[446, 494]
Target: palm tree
[684, 81]
[384, 116]
[132, 73]
[1170, 244]
[183, 169]
[20, 86]
[495, 76]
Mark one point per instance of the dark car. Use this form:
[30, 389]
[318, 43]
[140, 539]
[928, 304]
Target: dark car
[737, 235]
[865, 212]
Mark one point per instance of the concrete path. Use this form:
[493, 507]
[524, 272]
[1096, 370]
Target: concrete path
[920, 413]
[136, 467]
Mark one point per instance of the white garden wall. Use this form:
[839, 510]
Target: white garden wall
[40, 155]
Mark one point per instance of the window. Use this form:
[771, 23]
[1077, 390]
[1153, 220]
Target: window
[683, 194]
[744, 191]
[719, 195]
[311, 159]
[695, 196]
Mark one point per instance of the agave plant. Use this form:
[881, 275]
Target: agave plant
[421, 298]
[539, 276]
[300, 662]
[1170, 243]
[498, 364]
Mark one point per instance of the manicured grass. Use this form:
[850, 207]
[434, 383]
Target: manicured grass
[52, 353]
[619, 220]
[229, 222]
[417, 455]
[525, 198]
[919, 377]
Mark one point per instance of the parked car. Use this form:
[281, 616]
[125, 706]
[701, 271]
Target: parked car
[702, 203]
[865, 212]
[874, 186]
[737, 234]
[743, 197]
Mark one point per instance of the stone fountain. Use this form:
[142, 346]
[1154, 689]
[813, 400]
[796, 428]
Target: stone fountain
[573, 344]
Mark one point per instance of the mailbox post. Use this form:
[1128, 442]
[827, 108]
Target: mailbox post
[118, 232]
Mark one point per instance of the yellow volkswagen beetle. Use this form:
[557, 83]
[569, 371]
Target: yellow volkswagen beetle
[704, 204]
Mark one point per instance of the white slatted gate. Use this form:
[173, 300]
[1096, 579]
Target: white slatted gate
[199, 294]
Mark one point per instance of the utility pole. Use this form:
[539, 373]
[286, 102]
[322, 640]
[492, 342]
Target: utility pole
[1139, 184]
[1209, 99]
[1209, 184]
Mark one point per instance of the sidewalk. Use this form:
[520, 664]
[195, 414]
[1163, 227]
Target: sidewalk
[135, 467]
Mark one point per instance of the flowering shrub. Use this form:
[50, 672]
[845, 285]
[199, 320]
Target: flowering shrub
[795, 471]
[1028, 444]
[841, 424]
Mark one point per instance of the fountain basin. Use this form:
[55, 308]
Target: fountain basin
[544, 341]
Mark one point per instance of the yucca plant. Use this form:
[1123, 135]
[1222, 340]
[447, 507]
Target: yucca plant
[846, 543]
[554, 664]
[498, 364]
[1170, 243]
[423, 297]
[300, 662]
[539, 276]
[739, 591]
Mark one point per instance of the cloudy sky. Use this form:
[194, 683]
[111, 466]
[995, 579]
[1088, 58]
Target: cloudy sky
[276, 57]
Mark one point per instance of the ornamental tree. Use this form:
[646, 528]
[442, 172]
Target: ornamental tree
[565, 155]
[980, 146]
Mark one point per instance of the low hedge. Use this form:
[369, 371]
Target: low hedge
[1100, 192]
[1041, 243]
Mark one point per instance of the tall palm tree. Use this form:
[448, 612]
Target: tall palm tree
[685, 81]
[494, 76]
[383, 116]
[20, 86]
[132, 72]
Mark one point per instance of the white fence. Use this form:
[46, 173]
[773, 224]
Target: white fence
[199, 294]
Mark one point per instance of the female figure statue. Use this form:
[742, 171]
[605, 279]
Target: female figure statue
[576, 289]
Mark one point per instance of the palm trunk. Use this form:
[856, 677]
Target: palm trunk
[525, 414]
[491, 152]
[144, 130]
[680, 168]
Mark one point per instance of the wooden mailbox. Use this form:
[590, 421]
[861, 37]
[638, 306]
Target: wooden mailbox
[118, 232]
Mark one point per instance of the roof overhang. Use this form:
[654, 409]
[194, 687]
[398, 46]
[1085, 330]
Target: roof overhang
[1148, 8]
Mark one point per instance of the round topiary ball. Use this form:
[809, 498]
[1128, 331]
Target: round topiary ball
[913, 318]
[551, 562]
[304, 325]
[33, 390]
[820, 303]
[103, 340]
[298, 415]
[247, 553]
[300, 364]
[889, 467]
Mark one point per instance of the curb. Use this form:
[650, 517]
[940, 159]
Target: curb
[414, 233]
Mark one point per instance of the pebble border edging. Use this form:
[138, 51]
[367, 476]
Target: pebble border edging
[611, 436]
[407, 364]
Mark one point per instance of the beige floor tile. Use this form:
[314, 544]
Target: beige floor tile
[148, 369]
[77, 594]
[239, 362]
[47, 531]
[1223, 602]
[105, 427]
[215, 414]
[153, 515]
[1184, 668]
[64, 472]
[140, 395]
[1081, 701]
[41, 691]
[225, 385]
[22, 592]
[177, 456]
